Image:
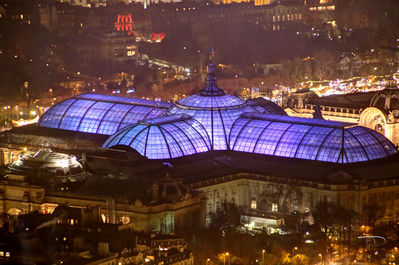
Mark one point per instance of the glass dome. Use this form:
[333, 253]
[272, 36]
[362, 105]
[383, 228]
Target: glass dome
[100, 114]
[307, 139]
[217, 111]
[163, 138]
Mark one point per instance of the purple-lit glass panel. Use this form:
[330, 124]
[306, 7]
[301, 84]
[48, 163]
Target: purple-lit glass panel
[133, 101]
[270, 137]
[197, 101]
[290, 141]
[53, 116]
[100, 114]
[331, 149]
[74, 114]
[163, 138]
[112, 119]
[307, 139]
[93, 117]
[311, 142]
[355, 151]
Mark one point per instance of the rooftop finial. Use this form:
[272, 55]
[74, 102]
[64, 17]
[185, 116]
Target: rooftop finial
[211, 54]
[211, 69]
[211, 88]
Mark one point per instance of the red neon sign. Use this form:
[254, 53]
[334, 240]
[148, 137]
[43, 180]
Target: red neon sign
[158, 37]
[124, 23]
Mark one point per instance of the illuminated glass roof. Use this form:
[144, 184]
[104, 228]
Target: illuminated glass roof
[163, 138]
[100, 114]
[202, 102]
[307, 139]
[213, 120]
[211, 96]
[217, 111]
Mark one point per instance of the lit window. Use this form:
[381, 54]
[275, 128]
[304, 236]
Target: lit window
[131, 53]
[125, 220]
[253, 204]
[104, 218]
[7, 254]
[274, 207]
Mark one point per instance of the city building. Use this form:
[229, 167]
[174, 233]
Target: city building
[163, 206]
[117, 48]
[74, 236]
[275, 16]
[248, 152]
[376, 110]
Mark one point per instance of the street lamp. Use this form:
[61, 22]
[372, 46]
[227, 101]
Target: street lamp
[225, 257]
[321, 258]
[293, 251]
[263, 256]
[17, 111]
[207, 261]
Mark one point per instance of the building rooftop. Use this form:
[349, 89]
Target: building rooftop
[100, 114]
[166, 137]
[312, 139]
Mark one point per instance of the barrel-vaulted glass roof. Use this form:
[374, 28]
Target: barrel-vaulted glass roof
[100, 114]
[213, 120]
[163, 138]
[307, 139]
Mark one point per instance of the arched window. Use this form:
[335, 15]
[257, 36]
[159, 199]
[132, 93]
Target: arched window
[253, 203]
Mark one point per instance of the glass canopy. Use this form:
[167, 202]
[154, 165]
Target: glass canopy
[100, 114]
[307, 139]
[213, 120]
[163, 138]
[217, 111]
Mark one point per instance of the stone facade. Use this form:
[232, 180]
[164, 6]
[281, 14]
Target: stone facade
[278, 197]
[19, 197]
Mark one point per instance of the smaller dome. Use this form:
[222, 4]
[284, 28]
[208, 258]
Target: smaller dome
[163, 138]
[201, 102]
[211, 96]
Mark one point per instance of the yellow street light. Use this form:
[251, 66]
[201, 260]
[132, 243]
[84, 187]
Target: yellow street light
[227, 254]
[293, 250]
